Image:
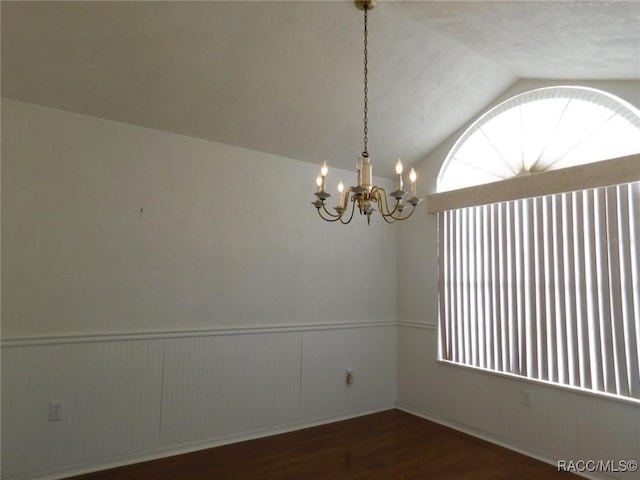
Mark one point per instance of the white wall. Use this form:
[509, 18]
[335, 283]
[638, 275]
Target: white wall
[227, 236]
[226, 309]
[561, 424]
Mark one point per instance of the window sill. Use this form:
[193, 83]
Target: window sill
[557, 386]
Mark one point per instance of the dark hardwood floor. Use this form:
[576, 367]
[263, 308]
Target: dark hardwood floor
[390, 445]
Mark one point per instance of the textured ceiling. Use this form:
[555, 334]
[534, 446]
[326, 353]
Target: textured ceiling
[286, 77]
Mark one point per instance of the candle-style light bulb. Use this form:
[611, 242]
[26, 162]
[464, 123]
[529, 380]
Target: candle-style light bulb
[413, 177]
[319, 182]
[399, 172]
[323, 172]
[340, 193]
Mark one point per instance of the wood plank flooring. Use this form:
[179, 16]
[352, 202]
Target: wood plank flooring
[391, 445]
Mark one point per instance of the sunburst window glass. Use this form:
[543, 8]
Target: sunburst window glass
[542, 130]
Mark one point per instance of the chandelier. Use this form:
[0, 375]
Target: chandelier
[366, 196]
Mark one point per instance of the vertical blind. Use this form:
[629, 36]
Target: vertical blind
[546, 288]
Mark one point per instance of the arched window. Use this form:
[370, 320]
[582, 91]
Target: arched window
[539, 242]
[542, 130]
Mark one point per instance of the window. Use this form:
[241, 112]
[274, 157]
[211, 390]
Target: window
[542, 130]
[545, 286]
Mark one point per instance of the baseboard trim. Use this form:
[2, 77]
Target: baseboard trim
[164, 452]
[495, 439]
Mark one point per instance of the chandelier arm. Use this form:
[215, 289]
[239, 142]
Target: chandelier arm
[333, 218]
[353, 209]
[379, 191]
[336, 217]
[332, 215]
[413, 208]
[386, 219]
[389, 213]
[378, 194]
[386, 204]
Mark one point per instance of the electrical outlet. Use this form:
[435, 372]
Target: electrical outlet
[349, 377]
[55, 411]
[527, 400]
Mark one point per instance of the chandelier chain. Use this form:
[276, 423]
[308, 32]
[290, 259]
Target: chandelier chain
[366, 88]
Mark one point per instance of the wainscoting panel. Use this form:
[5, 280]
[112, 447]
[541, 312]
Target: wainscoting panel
[327, 354]
[612, 433]
[217, 386]
[111, 403]
[133, 397]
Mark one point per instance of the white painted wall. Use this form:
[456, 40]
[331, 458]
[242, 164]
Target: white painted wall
[226, 309]
[228, 236]
[561, 424]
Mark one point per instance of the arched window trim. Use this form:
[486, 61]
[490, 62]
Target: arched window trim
[623, 169]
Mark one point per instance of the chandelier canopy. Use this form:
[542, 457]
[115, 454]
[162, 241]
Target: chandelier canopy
[365, 195]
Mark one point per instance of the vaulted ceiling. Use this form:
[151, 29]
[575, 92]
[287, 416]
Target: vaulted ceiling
[286, 77]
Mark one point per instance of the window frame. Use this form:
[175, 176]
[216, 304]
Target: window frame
[601, 174]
